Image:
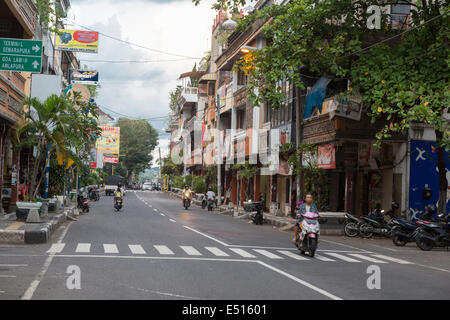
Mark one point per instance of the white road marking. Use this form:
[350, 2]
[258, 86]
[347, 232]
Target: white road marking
[345, 245]
[209, 237]
[136, 249]
[163, 250]
[216, 251]
[292, 255]
[360, 256]
[6, 276]
[13, 265]
[83, 248]
[302, 282]
[56, 248]
[242, 253]
[342, 257]
[35, 283]
[268, 254]
[191, 251]
[155, 210]
[110, 248]
[172, 220]
[391, 259]
[163, 214]
[322, 258]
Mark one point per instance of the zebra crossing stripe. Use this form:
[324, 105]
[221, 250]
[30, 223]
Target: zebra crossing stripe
[242, 253]
[322, 258]
[56, 248]
[293, 255]
[217, 252]
[268, 254]
[391, 259]
[342, 257]
[110, 248]
[83, 248]
[360, 256]
[136, 249]
[163, 250]
[191, 251]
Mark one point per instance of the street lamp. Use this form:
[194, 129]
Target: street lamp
[247, 49]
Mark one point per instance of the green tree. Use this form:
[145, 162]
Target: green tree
[137, 140]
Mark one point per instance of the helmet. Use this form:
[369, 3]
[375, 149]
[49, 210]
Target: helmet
[395, 205]
[209, 189]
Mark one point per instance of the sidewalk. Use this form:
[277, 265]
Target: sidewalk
[13, 231]
[331, 222]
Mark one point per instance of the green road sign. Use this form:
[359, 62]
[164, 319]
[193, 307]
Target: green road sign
[20, 55]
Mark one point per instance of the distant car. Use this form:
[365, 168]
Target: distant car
[147, 186]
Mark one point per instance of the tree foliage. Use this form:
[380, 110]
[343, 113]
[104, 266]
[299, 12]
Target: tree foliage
[137, 140]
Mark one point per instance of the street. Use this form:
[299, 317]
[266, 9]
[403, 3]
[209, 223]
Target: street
[154, 249]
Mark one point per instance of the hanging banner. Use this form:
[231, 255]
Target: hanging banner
[85, 77]
[108, 144]
[326, 157]
[77, 41]
[110, 158]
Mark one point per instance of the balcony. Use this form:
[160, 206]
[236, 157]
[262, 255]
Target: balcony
[189, 97]
[26, 13]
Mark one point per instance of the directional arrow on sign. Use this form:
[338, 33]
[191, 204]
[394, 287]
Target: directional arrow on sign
[36, 48]
[35, 64]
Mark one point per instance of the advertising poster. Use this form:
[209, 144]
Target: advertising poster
[326, 157]
[77, 41]
[109, 144]
[85, 77]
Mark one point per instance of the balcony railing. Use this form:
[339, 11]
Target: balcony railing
[28, 14]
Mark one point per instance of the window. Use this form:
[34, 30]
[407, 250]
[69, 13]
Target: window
[14, 105]
[211, 88]
[400, 14]
[2, 96]
[242, 78]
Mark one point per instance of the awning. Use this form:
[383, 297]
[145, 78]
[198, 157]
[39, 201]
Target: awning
[208, 77]
[192, 74]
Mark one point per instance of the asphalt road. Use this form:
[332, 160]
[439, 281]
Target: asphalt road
[154, 249]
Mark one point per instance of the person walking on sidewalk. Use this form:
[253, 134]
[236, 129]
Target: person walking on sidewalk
[307, 206]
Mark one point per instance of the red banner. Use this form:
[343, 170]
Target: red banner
[326, 157]
[93, 165]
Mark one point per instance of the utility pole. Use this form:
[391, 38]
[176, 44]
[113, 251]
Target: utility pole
[160, 166]
[219, 169]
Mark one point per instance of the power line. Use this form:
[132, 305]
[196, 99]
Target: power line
[161, 118]
[134, 61]
[131, 43]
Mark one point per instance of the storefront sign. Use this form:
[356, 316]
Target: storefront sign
[326, 157]
[77, 41]
[93, 165]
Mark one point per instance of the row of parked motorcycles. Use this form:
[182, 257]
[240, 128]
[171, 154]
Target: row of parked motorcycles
[428, 231]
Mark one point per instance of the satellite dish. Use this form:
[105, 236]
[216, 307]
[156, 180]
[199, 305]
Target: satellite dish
[229, 24]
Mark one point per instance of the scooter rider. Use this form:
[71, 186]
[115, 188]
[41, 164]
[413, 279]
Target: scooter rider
[210, 195]
[118, 194]
[186, 194]
[307, 206]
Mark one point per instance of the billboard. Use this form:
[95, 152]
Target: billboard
[77, 40]
[85, 77]
[108, 144]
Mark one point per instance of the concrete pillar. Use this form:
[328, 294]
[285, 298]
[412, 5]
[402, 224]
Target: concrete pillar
[256, 186]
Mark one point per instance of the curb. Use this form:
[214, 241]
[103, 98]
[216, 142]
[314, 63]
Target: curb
[34, 236]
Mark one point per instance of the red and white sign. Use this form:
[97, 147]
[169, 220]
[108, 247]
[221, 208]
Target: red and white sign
[93, 165]
[326, 157]
[110, 160]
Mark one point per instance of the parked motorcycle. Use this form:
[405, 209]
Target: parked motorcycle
[405, 231]
[94, 194]
[308, 238]
[351, 225]
[204, 201]
[376, 224]
[255, 209]
[118, 204]
[432, 234]
[83, 203]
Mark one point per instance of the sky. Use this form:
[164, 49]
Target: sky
[141, 90]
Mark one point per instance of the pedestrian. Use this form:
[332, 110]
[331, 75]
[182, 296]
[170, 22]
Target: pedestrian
[307, 206]
[23, 192]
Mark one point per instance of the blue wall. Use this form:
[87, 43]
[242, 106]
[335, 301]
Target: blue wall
[423, 170]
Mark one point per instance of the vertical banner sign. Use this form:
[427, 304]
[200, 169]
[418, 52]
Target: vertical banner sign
[326, 157]
[109, 144]
[77, 41]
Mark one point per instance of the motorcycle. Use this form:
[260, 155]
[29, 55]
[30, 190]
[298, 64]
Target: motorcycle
[432, 234]
[186, 203]
[210, 204]
[376, 224]
[309, 236]
[351, 225]
[118, 204]
[405, 231]
[204, 202]
[82, 203]
[255, 210]
[94, 195]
